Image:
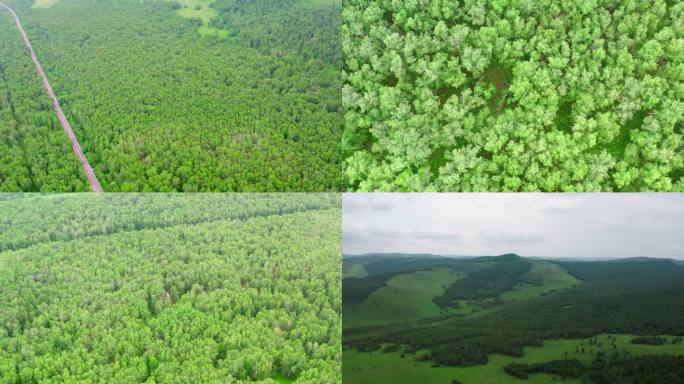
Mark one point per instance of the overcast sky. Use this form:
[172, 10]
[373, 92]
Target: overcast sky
[547, 225]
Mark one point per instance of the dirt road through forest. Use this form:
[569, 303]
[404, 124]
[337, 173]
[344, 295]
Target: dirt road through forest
[60, 114]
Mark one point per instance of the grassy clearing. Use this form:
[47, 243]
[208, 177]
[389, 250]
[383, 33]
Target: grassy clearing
[280, 379]
[201, 9]
[353, 269]
[405, 297]
[378, 367]
[44, 3]
[553, 277]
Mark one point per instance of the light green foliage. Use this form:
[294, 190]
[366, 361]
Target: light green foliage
[514, 95]
[201, 9]
[173, 294]
[409, 296]
[404, 297]
[44, 3]
[158, 107]
[280, 379]
[392, 368]
[542, 278]
[93, 215]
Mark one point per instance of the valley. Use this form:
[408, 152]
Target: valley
[410, 318]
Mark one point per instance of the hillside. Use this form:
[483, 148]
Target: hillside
[458, 319]
[383, 289]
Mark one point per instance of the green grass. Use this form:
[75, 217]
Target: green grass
[378, 367]
[201, 9]
[553, 276]
[408, 297]
[405, 297]
[280, 379]
[353, 269]
[44, 3]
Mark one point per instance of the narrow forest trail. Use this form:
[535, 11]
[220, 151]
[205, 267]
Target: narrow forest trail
[60, 114]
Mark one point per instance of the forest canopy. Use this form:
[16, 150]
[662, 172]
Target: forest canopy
[158, 106]
[159, 288]
[514, 95]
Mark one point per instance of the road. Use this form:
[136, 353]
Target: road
[95, 185]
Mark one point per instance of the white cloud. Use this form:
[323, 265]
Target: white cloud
[563, 225]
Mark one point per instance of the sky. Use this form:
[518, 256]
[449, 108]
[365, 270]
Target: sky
[529, 224]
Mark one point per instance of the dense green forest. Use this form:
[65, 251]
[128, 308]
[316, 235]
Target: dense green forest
[604, 369]
[502, 306]
[514, 95]
[170, 288]
[158, 105]
[35, 153]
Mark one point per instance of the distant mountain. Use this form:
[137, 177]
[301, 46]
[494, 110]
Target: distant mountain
[383, 287]
[393, 255]
[640, 259]
[504, 257]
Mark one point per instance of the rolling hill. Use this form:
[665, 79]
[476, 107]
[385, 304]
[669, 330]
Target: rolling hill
[504, 317]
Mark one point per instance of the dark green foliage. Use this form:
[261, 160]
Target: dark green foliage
[487, 283]
[502, 95]
[485, 280]
[227, 289]
[382, 268]
[391, 348]
[35, 154]
[649, 340]
[568, 368]
[393, 266]
[357, 289]
[651, 369]
[629, 297]
[310, 28]
[159, 107]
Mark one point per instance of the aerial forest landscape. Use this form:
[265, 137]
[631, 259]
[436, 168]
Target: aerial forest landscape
[165, 95]
[170, 288]
[514, 95]
[449, 318]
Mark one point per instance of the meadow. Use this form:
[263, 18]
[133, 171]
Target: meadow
[509, 319]
[202, 9]
[404, 297]
[409, 296]
[391, 367]
[553, 277]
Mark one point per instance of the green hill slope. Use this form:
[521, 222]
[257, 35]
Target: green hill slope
[519, 316]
